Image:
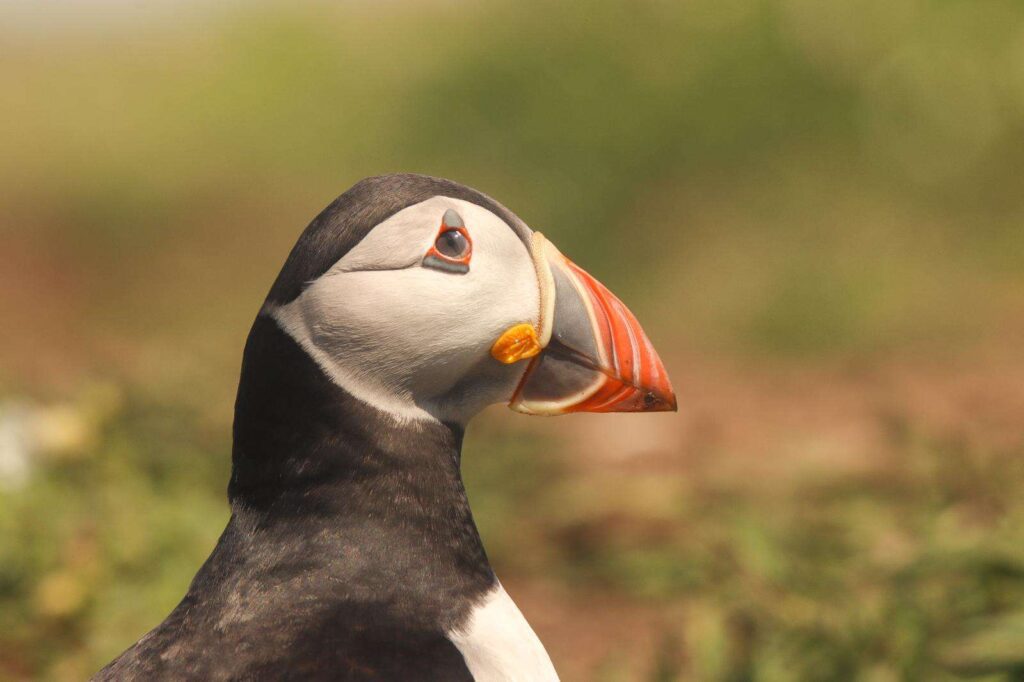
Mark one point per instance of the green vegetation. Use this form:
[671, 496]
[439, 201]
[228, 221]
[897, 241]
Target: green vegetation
[815, 207]
[911, 572]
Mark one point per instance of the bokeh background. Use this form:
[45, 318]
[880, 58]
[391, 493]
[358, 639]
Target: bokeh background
[815, 207]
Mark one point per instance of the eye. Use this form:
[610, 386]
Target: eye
[452, 247]
[452, 244]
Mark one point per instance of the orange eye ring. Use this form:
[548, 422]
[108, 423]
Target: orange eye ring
[453, 237]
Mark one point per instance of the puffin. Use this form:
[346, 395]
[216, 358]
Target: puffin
[406, 307]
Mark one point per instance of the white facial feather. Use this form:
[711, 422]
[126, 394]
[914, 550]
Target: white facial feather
[413, 340]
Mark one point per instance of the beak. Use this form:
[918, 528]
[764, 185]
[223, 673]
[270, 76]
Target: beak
[593, 355]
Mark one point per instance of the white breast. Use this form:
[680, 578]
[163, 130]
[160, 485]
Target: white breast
[499, 645]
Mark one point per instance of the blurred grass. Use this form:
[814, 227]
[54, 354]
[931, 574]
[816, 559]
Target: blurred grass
[817, 164]
[775, 183]
[915, 572]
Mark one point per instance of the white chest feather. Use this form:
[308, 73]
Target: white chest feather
[499, 645]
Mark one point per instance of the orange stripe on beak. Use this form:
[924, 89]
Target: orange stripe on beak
[635, 378]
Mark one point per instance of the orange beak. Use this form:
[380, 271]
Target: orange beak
[595, 357]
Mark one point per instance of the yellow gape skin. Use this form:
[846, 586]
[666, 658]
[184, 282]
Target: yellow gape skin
[518, 342]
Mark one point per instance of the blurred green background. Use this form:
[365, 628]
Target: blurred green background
[815, 207]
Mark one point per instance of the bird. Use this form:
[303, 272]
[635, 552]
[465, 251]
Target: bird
[406, 307]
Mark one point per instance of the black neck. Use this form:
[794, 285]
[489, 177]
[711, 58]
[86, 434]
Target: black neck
[383, 499]
[351, 551]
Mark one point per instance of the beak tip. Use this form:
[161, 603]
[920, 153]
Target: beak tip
[661, 402]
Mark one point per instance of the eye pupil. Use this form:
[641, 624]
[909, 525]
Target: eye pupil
[451, 243]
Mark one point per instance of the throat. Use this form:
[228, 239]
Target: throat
[342, 501]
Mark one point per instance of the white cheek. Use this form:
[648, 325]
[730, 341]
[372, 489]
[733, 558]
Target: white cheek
[404, 327]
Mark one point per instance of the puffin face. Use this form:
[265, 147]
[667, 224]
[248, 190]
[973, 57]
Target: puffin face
[443, 308]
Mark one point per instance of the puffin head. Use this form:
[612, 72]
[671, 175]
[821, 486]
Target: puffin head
[429, 300]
